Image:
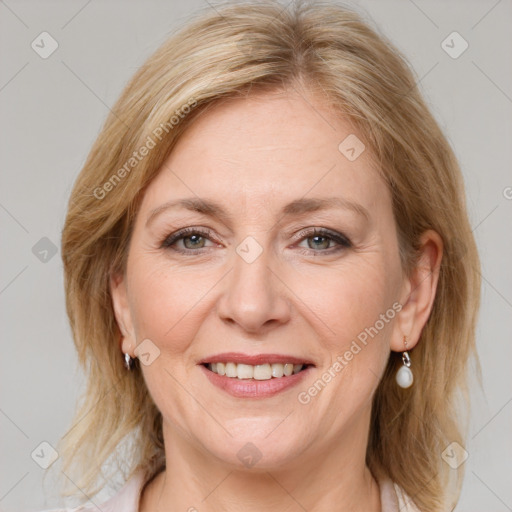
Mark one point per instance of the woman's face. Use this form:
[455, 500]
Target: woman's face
[290, 256]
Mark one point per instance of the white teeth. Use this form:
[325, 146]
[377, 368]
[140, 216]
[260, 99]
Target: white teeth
[258, 372]
[277, 370]
[231, 370]
[244, 371]
[262, 372]
[297, 368]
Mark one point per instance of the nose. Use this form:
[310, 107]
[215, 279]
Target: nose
[254, 297]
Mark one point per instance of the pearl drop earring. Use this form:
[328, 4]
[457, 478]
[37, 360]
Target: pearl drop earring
[404, 377]
[128, 361]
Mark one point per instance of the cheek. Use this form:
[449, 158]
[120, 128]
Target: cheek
[356, 309]
[367, 297]
[167, 308]
[165, 302]
[349, 299]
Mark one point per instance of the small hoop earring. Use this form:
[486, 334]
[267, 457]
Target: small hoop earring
[404, 377]
[128, 362]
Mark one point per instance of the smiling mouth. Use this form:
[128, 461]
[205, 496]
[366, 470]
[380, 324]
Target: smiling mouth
[260, 372]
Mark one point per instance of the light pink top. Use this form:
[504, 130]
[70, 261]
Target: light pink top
[392, 498]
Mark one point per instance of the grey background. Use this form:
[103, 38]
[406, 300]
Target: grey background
[51, 112]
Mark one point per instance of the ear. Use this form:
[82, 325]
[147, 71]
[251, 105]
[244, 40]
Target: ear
[418, 292]
[122, 313]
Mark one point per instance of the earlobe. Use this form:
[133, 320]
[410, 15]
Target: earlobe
[419, 292]
[122, 313]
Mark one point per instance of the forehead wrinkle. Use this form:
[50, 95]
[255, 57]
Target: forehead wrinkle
[297, 207]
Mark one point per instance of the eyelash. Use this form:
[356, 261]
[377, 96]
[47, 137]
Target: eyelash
[342, 241]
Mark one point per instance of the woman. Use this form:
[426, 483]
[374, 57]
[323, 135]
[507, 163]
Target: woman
[270, 276]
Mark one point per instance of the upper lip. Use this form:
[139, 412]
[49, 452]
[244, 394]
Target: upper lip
[255, 359]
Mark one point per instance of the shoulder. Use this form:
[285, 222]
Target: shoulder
[405, 503]
[126, 500]
[394, 499]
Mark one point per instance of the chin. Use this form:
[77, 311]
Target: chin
[255, 449]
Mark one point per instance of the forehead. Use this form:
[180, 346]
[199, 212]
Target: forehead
[268, 147]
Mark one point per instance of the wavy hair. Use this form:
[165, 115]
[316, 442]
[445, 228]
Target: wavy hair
[229, 52]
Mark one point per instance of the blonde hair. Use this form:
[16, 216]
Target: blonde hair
[229, 52]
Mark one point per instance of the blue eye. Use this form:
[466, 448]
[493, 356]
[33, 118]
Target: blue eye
[193, 240]
[321, 240]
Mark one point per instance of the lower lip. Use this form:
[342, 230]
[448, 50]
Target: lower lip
[251, 388]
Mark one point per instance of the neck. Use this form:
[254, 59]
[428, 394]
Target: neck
[333, 479]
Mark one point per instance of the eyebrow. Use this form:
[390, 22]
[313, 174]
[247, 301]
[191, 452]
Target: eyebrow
[296, 207]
